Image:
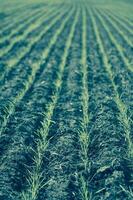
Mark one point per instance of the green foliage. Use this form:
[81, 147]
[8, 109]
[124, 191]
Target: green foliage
[66, 100]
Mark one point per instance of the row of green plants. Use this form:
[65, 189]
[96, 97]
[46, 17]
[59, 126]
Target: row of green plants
[84, 137]
[35, 178]
[10, 152]
[118, 46]
[123, 117]
[9, 108]
[6, 40]
[123, 39]
[17, 57]
[120, 22]
[18, 23]
[7, 24]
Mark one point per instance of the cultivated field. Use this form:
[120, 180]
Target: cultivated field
[66, 100]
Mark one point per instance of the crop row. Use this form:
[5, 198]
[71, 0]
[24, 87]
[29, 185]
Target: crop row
[66, 107]
[43, 54]
[14, 82]
[18, 49]
[16, 17]
[121, 114]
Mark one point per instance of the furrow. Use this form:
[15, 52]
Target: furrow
[120, 21]
[117, 29]
[35, 175]
[18, 20]
[14, 15]
[123, 116]
[28, 116]
[122, 76]
[126, 19]
[62, 161]
[20, 27]
[9, 18]
[12, 62]
[125, 12]
[9, 108]
[31, 28]
[112, 123]
[118, 47]
[15, 8]
[13, 22]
